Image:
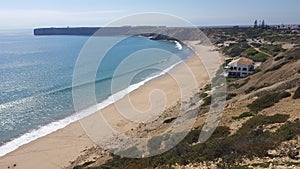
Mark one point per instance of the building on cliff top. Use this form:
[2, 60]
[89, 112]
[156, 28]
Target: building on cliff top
[239, 68]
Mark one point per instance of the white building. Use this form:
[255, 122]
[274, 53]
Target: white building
[287, 26]
[241, 67]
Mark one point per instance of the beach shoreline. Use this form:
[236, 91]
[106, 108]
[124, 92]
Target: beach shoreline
[58, 149]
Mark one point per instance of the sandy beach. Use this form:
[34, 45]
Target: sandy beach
[57, 149]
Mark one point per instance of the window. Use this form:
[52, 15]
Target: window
[232, 74]
[244, 69]
[251, 68]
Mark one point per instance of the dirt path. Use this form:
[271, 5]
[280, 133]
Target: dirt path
[258, 50]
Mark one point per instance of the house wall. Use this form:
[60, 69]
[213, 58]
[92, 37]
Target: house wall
[240, 71]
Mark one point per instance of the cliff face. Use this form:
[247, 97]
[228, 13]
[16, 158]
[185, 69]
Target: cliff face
[156, 33]
[66, 31]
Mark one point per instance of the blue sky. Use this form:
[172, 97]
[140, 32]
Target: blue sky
[40, 13]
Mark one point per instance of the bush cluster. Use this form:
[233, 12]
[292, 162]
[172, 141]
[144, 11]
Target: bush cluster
[203, 95]
[297, 94]
[267, 100]
[277, 66]
[259, 57]
[243, 115]
[249, 141]
[272, 49]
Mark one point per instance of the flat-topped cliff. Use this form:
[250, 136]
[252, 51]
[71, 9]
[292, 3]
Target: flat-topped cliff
[154, 32]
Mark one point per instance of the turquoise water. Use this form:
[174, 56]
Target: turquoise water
[36, 78]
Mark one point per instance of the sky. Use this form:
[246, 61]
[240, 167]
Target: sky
[17, 14]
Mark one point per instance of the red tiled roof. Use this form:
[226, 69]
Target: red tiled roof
[243, 60]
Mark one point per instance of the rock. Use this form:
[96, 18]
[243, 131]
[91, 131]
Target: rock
[293, 154]
[273, 153]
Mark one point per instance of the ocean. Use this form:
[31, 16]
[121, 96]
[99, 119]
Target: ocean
[36, 79]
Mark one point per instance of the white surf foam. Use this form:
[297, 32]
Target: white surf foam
[178, 45]
[54, 126]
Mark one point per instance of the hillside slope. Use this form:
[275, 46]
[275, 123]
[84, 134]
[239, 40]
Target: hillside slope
[260, 126]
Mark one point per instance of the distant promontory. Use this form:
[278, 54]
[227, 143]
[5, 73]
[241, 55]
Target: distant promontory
[152, 32]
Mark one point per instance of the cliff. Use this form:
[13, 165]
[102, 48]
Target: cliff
[86, 31]
[153, 32]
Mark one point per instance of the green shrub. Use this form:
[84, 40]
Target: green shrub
[230, 96]
[251, 51]
[236, 49]
[257, 70]
[277, 118]
[255, 45]
[276, 67]
[248, 142]
[284, 95]
[221, 131]
[272, 49]
[242, 167]
[292, 163]
[203, 95]
[243, 115]
[260, 120]
[207, 101]
[297, 94]
[227, 61]
[262, 165]
[288, 131]
[259, 57]
[250, 89]
[267, 100]
[279, 58]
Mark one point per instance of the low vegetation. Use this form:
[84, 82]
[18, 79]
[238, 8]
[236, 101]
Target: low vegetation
[203, 95]
[297, 94]
[230, 96]
[250, 89]
[250, 52]
[253, 88]
[243, 115]
[276, 67]
[271, 49]
[251, 140]
[236, 49]
[238, 85]
[283, 38]
[259, 57]
[267, 100]
[207, 101]
[294, 54]
[258, 133]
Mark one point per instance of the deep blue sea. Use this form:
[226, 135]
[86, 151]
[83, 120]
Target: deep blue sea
[36, 78]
